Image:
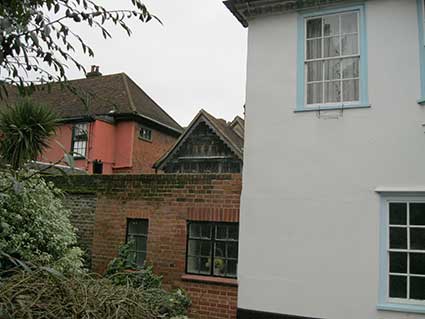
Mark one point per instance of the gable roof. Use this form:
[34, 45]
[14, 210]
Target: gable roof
[99, 95]
[223, 130]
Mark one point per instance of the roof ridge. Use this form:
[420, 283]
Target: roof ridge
[127, 89]
[153, 101]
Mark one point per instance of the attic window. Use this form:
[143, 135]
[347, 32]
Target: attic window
[145, 134]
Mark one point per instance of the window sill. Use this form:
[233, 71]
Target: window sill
[331, 108]
[145, 139]
[401, 307]
[421, 101]
[211, 280]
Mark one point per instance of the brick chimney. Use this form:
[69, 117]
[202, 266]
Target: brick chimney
[94, 71]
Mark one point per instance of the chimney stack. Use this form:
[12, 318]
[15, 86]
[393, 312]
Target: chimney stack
[94, 71]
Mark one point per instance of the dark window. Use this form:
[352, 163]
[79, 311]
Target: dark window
[137, 231]
[212, 249]
[145, 134]
[97, 167]
[407, 251]
[79, 140]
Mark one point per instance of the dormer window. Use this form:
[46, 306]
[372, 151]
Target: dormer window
[79, 140]
[145, 134]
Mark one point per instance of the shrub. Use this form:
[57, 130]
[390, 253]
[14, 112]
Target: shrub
[34, 225]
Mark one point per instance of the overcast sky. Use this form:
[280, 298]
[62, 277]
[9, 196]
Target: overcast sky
[197, 59]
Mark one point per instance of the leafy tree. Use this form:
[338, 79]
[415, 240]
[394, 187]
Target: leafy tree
[25, 130]
[36, 36]
[34, 224]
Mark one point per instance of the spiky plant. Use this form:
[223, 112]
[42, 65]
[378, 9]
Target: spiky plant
[25, 129]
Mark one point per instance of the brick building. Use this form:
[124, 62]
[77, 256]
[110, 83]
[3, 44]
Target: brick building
[109, 124]
[185, 225]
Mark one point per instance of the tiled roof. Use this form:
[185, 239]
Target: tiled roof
[99, 95]
[224, 131]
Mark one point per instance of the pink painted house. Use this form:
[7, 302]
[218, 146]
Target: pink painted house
[110, 125]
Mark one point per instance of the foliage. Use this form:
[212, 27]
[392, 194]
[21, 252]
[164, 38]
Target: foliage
[44, 294]
[36, 37]
[25, 130]
[123, 271]
[34, 225]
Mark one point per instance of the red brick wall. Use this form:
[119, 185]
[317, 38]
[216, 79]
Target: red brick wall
[146, 153]
[168, 201]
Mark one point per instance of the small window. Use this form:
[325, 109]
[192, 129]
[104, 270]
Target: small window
[137, 231]
[79, 140]
[145, 134]
[212, 249]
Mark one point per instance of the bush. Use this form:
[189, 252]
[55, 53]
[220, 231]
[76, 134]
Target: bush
[123, 271]
[44, 294]
[34, 225]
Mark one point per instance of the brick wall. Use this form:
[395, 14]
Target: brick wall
[168, 201]
[83, 207]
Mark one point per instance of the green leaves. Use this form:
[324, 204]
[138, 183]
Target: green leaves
[34, 36]
[26, 128]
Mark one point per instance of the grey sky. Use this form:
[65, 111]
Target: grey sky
[195, 60]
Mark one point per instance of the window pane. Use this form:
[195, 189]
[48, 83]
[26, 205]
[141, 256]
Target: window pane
[206, 231]
[331, 25]
[231, 268]
[205, 266]
[417, 264]
[138, 227]
[140, 258]
[232, 250]
[349, 23]
[314, 71]
[398, 237]
[417, 288]
[314, 93]
[332, 92]
[219, 266]
[314, 28]
[398, 213]
[220, 249]
[195, 230]
[351, 90]
[193, 265]
[398, 287]
[234, 232]
[206, 248]
[332, 70]
[331, 47]
[314, 49]
[349, 44]
[194, 248]
[398, 263]
[417, 214]
[350, 68]
[221, 232]
[417, 238]
[141, 243]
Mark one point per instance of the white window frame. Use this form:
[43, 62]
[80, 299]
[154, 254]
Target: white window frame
[385, 301]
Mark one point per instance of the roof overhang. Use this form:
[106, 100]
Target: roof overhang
[244, 10]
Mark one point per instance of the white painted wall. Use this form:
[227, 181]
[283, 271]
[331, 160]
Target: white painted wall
[309, 242]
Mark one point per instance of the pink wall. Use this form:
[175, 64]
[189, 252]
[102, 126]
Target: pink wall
[116, 145]
[102, 146]
[124, 137]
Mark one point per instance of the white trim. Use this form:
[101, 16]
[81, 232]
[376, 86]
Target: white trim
[400, 189]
